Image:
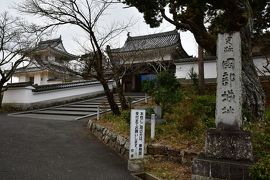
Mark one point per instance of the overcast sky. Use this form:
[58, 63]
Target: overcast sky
[115, 14]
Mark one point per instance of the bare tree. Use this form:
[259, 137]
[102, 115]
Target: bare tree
[118, 71]
[16, 41]
[85, 14]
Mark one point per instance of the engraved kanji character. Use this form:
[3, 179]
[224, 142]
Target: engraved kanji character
[228, 96]
[228, 40]
[229, 109]
[229, 63]
[225, 79]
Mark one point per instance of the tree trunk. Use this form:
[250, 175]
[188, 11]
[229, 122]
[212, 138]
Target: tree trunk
[1, 93]
[253, 94]
[116, 77]
[201, 70]
[109, 94]
[121, 95]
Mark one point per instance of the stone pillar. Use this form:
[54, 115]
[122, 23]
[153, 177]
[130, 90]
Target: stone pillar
[228, 150]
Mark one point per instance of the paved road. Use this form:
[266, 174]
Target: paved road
[39, 149]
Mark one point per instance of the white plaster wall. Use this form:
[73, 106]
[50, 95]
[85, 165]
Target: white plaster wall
[22, 78]
[37, 77]
[26, 96]
[210, 70]
[183, 70]
[17, 95]
[44, 79]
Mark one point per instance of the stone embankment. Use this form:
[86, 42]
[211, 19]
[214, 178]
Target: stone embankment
[121, 145]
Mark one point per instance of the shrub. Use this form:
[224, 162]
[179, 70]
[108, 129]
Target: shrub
[194, 78]
[148, 86]
[261, 146]
[165, 90]
[124, 117]
[149, 111]
[182, 117]
[119, 123]
[261, 169]
[193, 113]
[188, 123]
[204, 107]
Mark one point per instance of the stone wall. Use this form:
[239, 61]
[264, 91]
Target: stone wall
[111, 139]
[121, 146]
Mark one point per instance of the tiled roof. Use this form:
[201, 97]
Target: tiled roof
[49, 43]
[20, 84]
[28, 69]
[50, 87]
[57, 67]
[52, 66]
[195, 59]
[55, 44]
[152, 41]
[207, 58]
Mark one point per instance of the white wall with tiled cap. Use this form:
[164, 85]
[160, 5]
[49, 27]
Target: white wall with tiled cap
[25, 95]
[210, 70]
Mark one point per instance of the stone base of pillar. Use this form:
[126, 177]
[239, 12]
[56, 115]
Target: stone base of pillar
[227, 155]
[135, 165]
[204, 168]
[232, 145]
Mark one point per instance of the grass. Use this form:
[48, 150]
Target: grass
[165, 134]
[117, 124]
[167, 169]
[169, 135]
[260, 132]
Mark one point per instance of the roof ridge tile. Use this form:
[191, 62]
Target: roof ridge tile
[154, 35]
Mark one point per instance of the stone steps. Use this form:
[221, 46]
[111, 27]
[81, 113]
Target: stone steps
[81, 106]
[49, 117]
[95, 103]
[72, 113]
[75, 109]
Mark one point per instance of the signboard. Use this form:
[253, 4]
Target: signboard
[229, 87]
[137, 129]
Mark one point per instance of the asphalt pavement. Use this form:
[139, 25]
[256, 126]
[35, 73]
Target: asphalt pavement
[43, 149]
